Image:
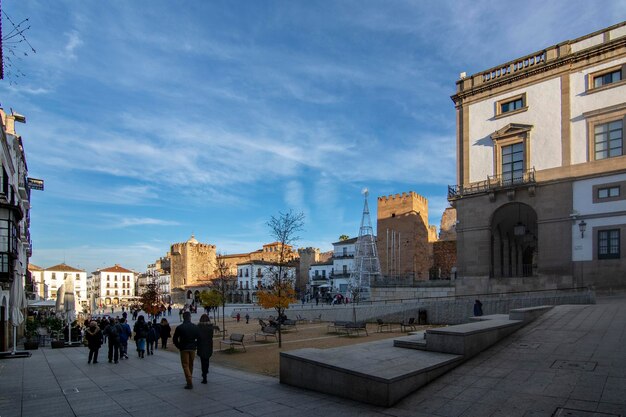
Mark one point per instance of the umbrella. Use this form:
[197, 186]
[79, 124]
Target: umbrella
[59, 307]
[17, 303]
[69, 304]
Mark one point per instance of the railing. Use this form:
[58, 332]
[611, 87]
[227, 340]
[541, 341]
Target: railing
[493, 182]
[514, 66]
[346, 255]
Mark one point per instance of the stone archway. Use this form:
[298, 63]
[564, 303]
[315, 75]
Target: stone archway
[514, 241]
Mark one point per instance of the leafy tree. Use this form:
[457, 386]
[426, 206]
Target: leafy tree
[343, 237]
[150, 299]
[284, 229]
[211, 299]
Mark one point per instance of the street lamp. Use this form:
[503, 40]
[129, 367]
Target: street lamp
[582, 226]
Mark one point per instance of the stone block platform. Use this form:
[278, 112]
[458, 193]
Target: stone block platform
[374, 373]
[384, 372]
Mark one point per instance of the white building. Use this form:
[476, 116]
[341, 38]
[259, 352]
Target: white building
[256, 275]
[54, 276]
[334, 276]
[541, 169]
[112, 286]
[40, 289]
[15, 244]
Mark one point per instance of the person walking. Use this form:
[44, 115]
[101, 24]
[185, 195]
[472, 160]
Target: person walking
[124, 335]
[113, 331]
[247, 318]
[157, 333]
[141, 332]
[169, 310]
[94, 341]
[186, 340]
[166, 333]
[205, 344]
[151, 338]
[238, 317]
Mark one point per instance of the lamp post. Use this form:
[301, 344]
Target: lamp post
[582, 226]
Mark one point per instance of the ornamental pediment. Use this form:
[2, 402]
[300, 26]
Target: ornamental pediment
[512, 129]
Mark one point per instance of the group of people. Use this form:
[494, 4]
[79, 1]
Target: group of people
[189, 338]
[117, 332]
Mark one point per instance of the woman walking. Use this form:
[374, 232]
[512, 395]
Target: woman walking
[141, 332]
[166, 333]
[152, 338]
[205, 344]
[94, 341]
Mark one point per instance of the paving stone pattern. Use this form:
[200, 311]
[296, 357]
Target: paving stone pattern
[516, 377]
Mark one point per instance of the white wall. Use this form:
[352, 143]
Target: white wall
[583, 102]
[544, 114]
[582, 247]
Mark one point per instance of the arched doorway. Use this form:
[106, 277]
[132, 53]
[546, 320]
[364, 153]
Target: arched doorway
[513, 241]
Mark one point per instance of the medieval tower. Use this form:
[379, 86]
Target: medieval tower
[404, 237]
[192, 263]
[308, 256]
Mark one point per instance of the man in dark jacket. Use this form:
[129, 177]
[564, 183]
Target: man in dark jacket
[112, 331]
[186, 340]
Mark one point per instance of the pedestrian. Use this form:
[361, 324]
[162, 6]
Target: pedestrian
[169, 310]
[141, 332]
[180, 314]
[151, 339]
[94, 341]
[238, 317]
[113, 331]
[186, 340]
[124, 335]
[157, 333]
[247, 318]
[478, 308]
[166, 333]
[205, 344]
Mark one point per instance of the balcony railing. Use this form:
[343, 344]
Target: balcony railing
[493, 183]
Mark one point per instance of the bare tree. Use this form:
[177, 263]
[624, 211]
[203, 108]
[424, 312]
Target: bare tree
[284, 228]
[222, 284]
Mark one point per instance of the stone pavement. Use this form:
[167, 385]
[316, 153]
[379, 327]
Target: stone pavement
[573, 357]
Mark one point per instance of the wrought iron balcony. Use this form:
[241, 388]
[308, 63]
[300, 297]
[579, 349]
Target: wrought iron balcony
[493, 183]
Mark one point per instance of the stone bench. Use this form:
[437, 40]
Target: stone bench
[528, 313]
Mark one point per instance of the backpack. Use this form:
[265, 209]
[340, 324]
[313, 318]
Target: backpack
[114, 331]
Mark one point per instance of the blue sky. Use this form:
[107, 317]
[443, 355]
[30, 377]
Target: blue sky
[152, 120]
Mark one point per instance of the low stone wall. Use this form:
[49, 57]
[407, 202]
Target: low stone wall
[412, 293]
[453, 310]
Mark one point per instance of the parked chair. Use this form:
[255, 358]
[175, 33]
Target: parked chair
[43, 336]
[382, 326]
[408, 325]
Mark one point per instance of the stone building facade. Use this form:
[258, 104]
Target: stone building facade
[404, 237]
[192, 264]
[541, 169]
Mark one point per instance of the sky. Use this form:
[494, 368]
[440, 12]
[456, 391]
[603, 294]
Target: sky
[152, 120]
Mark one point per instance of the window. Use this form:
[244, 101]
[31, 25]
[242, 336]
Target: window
[608, 78]
[345, 251]
[324, 273]
[77, 276]
[54, 275]
[246, 272]
[608, 192]
[608, 139]
[241, 272]
[513, 163]
[317, 273]
[511, 105]
[345, 269]
[608, 244]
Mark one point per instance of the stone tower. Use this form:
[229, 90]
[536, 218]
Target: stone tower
[308, 256]
[192, 263]
[404, 237]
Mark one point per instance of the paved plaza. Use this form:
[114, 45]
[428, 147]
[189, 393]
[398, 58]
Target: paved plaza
[571, 361]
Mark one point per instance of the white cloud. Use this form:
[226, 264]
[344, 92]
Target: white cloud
[123, 222]
[73, 42]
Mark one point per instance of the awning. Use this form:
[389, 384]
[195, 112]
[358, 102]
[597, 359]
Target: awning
[41, 303]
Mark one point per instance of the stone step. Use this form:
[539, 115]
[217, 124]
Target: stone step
[415, 340]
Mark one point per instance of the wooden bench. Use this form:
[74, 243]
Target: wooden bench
[351, 328]
[217, 332]
[317, 319]
[289, 325]
[337, 327]
[267, 331]
[235, 339]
